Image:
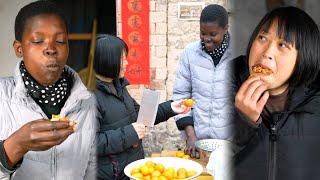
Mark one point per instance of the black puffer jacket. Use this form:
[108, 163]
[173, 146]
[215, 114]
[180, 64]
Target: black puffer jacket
[286, 146]
[118, 143]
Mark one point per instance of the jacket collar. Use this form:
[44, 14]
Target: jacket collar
[119, 84]
[228, 54]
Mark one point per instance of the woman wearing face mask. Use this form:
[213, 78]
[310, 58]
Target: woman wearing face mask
[203, 74]
[119, 135]
[281, 106]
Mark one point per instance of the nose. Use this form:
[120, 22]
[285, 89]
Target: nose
[50, 49]
[267, 57]
[206, 39]
[269, 52]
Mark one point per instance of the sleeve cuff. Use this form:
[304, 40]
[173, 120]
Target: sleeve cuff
[167, 105]
[251, 123]
[4, 160]
[183, 122]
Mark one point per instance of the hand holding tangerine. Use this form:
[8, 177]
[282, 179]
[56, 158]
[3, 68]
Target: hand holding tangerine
[188, 102]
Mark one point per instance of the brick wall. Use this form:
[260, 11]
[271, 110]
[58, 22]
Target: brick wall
[168, 37]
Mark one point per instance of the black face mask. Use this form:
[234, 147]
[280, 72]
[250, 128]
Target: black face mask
[53, 95]
[218, 52]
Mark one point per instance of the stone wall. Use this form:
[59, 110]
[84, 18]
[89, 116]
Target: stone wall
[168, 37]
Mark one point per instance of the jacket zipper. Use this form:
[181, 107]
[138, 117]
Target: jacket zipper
[272, 160]
[54, 163]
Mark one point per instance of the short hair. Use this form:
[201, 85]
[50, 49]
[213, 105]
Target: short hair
[34, 9]
[107, 56]
[297, 28]
[214, 13]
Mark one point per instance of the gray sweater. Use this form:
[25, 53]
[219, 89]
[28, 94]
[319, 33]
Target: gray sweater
[211, 87]
[75, 157]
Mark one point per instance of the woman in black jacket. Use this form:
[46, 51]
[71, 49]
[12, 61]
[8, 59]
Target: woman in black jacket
[280, 103]
[119, 136]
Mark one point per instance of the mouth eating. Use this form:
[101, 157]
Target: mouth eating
[259, 70]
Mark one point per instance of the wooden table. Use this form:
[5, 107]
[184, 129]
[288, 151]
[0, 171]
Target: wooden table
[204, 175]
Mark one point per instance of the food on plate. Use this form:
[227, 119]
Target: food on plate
[151, 170]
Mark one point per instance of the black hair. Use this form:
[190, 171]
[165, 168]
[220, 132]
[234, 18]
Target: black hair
[296, 27]
[34, 9]
[107, 56]
[214, 13]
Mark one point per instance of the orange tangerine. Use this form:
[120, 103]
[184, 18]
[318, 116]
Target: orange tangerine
[159, 167]
[144, 170]
[137, 175]
[149, 164]
[156, 173]
[151, 169]
[186, 156]
[191, 173]
[172, 171]
[179, 154]
[188, 102]
[135, 170]
[162, 178]
[155, 178]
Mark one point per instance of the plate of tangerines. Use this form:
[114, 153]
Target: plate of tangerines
[163, 168]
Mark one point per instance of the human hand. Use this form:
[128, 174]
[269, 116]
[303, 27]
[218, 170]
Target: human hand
[37, 135]
[140, 129]
[191, 149]
[251, 98]
[179, 107]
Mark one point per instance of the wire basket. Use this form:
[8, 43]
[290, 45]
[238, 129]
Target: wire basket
[206, 146]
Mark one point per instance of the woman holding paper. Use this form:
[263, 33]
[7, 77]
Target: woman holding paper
[119, 135]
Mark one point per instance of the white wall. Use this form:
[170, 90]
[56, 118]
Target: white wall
[8, 12]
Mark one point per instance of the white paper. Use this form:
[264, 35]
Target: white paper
[148, 107]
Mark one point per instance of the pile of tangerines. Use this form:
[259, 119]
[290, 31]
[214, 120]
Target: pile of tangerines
[157, 171]
[181, 154]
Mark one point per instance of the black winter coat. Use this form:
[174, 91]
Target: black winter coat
[118, 143]
[287, 146]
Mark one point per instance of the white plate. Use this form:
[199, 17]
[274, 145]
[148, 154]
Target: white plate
[220, 156]
[167, 162]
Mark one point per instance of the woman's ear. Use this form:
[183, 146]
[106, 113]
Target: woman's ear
[17, 48]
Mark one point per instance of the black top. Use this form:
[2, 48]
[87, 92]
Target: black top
[285, 146]
[118, 143]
